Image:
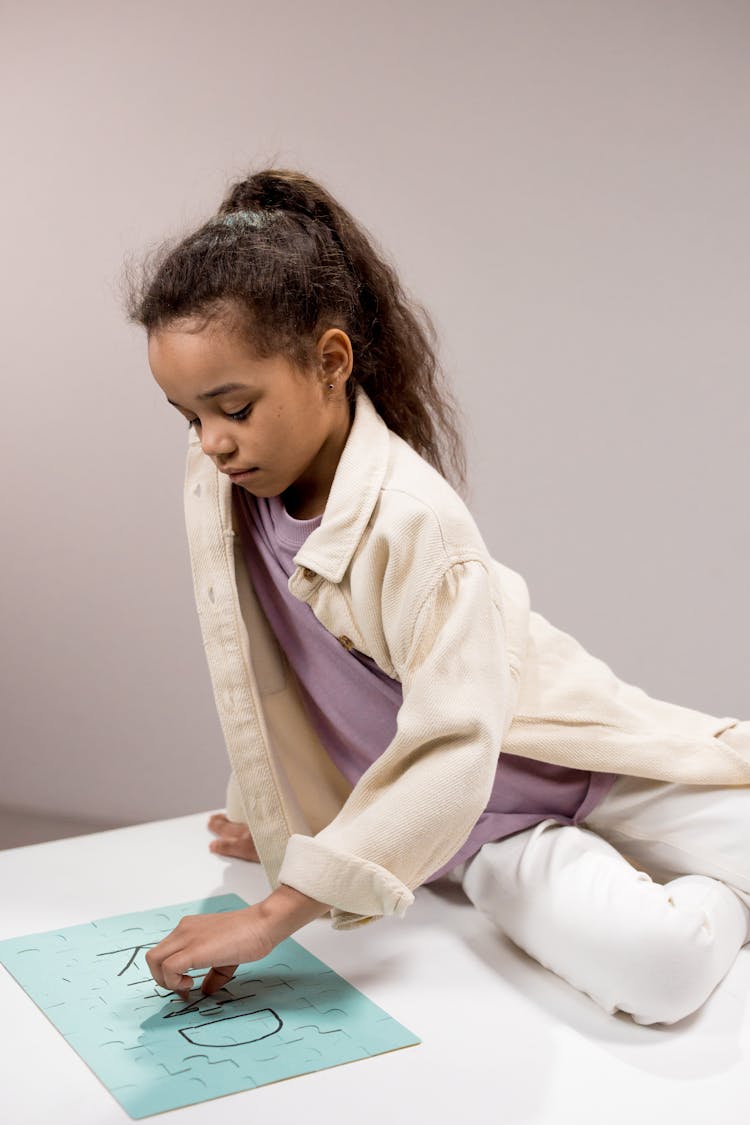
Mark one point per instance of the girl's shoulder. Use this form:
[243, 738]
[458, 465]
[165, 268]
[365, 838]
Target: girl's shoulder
[416, 502]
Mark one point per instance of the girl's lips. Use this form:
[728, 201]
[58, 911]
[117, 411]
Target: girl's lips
[244, 473]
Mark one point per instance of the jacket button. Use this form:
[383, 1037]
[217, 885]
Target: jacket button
[346, 642]
[308, 573]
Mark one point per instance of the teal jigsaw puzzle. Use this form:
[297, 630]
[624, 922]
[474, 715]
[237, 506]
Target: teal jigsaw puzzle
[285, 1015]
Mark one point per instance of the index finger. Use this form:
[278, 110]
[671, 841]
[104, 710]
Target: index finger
[216, 978]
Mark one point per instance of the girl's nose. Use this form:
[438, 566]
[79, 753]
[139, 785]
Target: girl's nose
[214, 443]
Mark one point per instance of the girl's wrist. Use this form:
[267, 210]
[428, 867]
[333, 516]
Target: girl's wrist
[286, 910]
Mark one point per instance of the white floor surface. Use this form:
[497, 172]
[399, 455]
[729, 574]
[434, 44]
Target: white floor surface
[504, 1039]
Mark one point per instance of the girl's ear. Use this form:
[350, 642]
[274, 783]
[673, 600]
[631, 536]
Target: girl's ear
[335, 355]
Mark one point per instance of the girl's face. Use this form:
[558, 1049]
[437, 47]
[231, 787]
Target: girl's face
[263, 415]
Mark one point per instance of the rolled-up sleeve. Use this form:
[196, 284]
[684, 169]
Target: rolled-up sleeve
[419, 800]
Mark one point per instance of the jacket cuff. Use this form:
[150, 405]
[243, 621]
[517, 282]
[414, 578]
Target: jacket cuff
[357, 889]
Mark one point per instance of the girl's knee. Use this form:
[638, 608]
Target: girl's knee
[684, 957]
[674, 987]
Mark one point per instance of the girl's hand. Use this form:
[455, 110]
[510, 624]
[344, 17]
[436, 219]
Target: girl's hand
[233, 838]
[219, 942]
[223, 941]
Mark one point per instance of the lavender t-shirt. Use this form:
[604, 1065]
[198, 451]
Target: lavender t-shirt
[353, 704]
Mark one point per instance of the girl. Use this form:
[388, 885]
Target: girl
[393, 710]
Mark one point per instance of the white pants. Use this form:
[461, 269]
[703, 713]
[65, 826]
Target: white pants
[569, 897]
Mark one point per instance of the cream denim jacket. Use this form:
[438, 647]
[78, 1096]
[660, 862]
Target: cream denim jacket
[399, 570]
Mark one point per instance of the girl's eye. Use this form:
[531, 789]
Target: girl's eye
[241, 414]
[238, 417]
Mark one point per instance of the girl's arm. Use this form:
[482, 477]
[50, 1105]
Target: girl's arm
[417, 803]
[224, 941]
[286, 910]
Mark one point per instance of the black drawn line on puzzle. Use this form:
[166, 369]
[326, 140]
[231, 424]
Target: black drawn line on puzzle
[217, 1005]
[125, 949]
[201, 1031]
[262, 1014]
[135, 949]
[194, 1005]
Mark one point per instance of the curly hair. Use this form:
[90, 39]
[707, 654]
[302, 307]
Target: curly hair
[279, 263]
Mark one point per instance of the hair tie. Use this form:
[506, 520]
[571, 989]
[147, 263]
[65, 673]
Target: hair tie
[242, 218]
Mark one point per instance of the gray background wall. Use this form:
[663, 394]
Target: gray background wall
[564, 185]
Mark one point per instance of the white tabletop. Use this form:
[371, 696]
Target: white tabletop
[503, 1038]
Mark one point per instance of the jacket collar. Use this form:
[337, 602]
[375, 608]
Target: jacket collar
[353, 494]
[356, 485]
